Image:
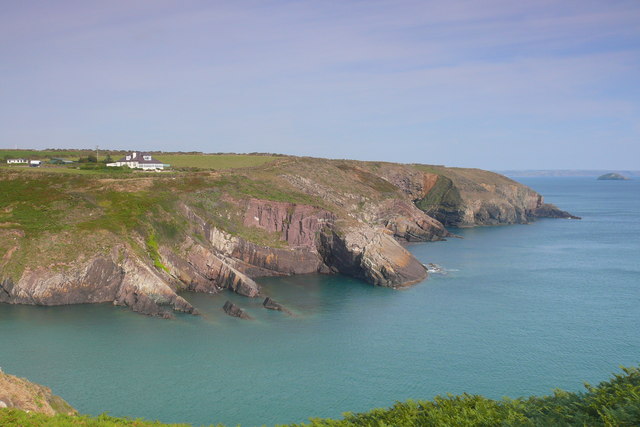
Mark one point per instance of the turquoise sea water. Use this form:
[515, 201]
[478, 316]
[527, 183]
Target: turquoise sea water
[523, 309]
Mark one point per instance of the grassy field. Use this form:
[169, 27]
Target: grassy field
[214, 161]
[176, 160]
[73, 170]
[40, 154]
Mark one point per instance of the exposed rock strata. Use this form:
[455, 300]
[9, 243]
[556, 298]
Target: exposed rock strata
[270, 304]
[472, 197]
[408, 223]
[548, 210]
[371, 255]
[203, 270]
[233, 310]
[298, 224]
[130, 283]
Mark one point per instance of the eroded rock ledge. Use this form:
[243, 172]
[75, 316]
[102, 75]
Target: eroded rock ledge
[222, 261]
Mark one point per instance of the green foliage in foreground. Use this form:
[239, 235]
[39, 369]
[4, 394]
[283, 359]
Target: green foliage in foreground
[612, 403]
[16, 417]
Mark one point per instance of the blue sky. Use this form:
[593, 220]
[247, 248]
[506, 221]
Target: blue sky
[492, 84]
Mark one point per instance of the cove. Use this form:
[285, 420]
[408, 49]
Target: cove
[523, 309]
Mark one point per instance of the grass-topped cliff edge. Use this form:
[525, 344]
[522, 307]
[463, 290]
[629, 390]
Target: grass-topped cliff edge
[615, 402]
[89, 233]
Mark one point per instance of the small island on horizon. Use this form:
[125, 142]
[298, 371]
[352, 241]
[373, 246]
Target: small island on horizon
[613, 177]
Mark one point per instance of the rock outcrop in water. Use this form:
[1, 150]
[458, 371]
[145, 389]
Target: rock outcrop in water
[233, 310]
[270, 304]
[139, 242]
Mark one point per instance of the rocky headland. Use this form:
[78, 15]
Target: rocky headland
[139, 240]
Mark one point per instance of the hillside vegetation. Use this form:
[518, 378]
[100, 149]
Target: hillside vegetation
[88, 233]
[611, 403]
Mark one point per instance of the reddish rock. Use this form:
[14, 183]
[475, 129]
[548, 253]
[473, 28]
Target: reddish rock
[233, 310]
[298, 224]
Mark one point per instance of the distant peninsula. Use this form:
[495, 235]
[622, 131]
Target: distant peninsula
[612, 177]
[533, 173]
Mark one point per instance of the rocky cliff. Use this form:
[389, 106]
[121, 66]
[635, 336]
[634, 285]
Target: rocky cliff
[470, 197]
[21, 394]
[141, 240]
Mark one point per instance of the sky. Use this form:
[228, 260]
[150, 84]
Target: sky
[494, 84]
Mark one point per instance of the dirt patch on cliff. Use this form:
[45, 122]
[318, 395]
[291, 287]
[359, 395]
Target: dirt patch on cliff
[126, 185]
[428, 182]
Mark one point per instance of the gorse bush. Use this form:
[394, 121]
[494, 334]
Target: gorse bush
[612, 403]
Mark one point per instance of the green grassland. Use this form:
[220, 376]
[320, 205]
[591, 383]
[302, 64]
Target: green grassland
[45, 154]
[611, 403]
[214, 161]
[176, 160]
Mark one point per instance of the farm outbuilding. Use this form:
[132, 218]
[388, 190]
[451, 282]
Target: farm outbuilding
[137, 160]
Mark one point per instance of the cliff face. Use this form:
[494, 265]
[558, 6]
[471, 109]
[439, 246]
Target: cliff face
[21, 394]
[371, 255]
[221, 261]
[471, 197]
[121, 280]
[138, 242]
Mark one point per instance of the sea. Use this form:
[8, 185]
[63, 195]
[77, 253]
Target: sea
[519, 310]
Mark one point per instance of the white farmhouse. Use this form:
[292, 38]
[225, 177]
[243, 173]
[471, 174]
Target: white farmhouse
[137, 160]
[17, 161]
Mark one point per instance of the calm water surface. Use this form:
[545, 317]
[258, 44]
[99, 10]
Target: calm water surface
[523, 309]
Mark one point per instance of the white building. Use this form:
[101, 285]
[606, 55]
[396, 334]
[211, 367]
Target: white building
[35, 163]
[17, 161]
[137, 160]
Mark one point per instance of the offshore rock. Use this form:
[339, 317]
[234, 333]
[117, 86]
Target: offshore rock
[272, 305]
[233, 310]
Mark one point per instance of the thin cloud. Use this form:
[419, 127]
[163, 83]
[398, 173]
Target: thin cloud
[323, 78]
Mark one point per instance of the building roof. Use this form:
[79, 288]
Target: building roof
[140, 157]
